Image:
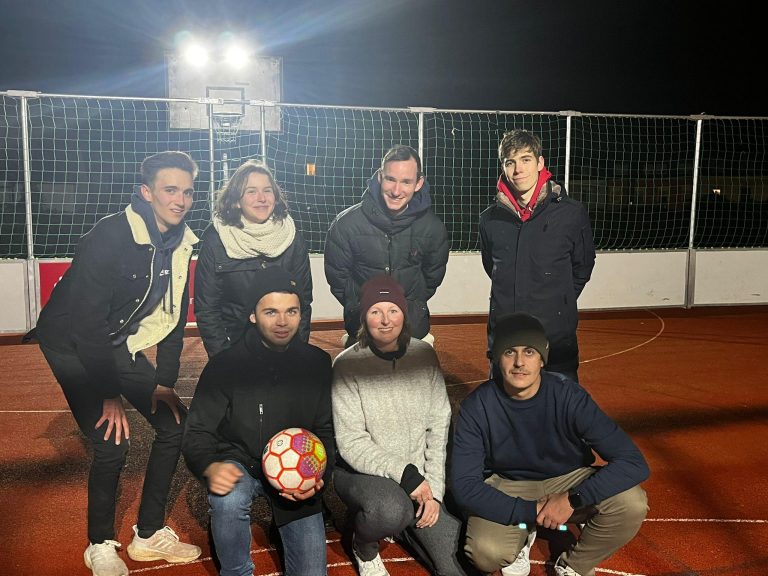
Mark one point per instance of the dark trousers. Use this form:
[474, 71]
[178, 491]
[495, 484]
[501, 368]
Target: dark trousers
[137, 383]
[379, 507]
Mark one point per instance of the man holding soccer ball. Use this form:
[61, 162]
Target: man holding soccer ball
[266, 382]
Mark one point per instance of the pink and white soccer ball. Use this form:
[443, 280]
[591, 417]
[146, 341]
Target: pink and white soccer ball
[294, 460]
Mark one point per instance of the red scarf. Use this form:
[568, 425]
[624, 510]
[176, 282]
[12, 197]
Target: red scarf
[525, 212]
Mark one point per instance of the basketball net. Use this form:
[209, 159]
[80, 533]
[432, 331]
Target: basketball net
[226, 125]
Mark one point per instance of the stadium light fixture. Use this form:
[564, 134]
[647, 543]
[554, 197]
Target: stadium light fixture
[236, 56]
[196, 54]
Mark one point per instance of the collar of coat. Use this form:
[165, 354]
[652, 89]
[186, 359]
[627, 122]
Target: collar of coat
[141, 234]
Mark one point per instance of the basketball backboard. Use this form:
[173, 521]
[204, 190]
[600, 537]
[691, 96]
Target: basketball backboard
[261, 79]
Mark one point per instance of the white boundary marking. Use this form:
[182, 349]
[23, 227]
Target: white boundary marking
[409, 559]
[659, 333]
[611, 355]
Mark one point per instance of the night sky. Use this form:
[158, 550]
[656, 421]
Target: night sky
[611, 56]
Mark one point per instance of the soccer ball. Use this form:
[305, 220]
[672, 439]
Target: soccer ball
[294, 460]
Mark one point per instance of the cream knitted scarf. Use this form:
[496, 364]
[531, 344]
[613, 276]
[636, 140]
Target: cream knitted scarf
[270, 238]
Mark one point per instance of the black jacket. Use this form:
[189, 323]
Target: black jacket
[223, 294]
[99, 294]
[365, 240]
[248, 393]
[540, 266]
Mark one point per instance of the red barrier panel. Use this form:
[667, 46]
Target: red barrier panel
[49, 274]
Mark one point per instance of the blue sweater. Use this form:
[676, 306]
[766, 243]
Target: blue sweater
[546, 436]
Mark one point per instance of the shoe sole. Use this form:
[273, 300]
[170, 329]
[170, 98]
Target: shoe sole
[147, 555]
[90, 567]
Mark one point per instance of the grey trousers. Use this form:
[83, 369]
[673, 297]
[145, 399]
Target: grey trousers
[379, 507]
[614, 522]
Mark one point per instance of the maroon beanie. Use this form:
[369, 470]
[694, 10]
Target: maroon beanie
[382, 288]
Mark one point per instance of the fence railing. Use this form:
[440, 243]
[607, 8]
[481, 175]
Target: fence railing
[649, 182]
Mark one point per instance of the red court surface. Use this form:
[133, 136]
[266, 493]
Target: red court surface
[690, 386]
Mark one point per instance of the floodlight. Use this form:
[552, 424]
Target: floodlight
[195, 54]
[236, 56]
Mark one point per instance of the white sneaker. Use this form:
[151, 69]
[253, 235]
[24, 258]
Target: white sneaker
[561, 569]
[373, 567]
[522, 564]
[103, 560]
[162, 545]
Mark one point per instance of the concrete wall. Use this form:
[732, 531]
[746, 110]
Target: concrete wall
[620, 280]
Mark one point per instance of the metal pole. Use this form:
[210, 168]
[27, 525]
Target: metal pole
[211, 161]
[263, 133]
[32, 296]
[690, 274]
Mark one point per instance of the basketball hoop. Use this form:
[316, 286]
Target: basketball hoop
[226, 125]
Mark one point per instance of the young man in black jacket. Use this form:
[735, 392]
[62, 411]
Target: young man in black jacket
[126, 291]
[267, 381]
[537, 248]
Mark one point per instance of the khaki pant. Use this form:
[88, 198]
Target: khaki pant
[613, 523]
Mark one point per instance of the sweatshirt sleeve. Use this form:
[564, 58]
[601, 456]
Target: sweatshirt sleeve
[437, 434]
[467, 472]
[626, 467]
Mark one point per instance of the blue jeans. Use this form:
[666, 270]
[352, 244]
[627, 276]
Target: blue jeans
[303, 539]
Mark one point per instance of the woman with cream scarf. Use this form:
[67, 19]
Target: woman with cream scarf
[251, 231]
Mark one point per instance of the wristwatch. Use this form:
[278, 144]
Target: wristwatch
[575, 499]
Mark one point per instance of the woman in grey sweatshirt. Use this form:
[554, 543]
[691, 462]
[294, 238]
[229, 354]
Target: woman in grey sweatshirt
[391, 417]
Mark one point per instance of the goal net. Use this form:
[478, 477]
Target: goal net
[641, 178]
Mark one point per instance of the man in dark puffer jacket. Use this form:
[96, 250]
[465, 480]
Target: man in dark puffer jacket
[391, 231]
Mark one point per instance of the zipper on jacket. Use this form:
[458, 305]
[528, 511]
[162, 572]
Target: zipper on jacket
[261, 425]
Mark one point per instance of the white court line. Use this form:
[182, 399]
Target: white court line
[611, 355]
[409, 559]
[723, 520]
[659, 333]
[471, 382]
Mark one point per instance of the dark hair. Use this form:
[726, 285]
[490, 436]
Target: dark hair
[170, 159]
[517, 140]
[400, 153]
[227, 208]
[364, 337]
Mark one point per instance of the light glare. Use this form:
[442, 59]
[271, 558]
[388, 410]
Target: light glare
[236, 56]
[196, 55]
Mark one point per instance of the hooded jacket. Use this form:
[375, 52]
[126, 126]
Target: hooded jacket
[96, 301]
[366, 240]
[539, 266]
